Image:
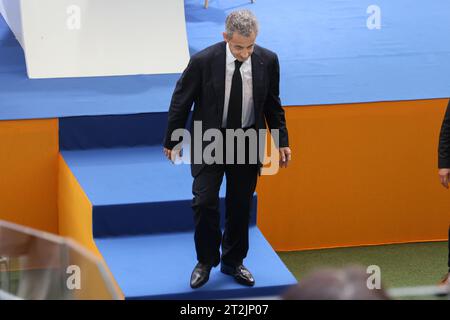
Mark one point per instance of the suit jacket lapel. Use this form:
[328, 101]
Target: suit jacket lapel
[218, 70]
[258, 79]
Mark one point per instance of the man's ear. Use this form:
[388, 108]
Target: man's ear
[225, 36]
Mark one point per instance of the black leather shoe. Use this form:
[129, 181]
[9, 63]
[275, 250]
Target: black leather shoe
[200, 275]
[240, 274]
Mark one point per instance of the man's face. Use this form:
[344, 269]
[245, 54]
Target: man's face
[241, 47]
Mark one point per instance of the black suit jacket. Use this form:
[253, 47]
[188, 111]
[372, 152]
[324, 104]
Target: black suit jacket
[203, 83]
[444, 141]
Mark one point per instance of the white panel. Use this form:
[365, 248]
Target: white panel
[2, 9]
[116, 37]
[10, 10]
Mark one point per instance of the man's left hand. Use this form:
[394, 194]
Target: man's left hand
[285, 156]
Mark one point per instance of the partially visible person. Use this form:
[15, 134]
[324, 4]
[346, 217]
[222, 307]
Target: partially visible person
[444, 170]
[349, 283]
[446, 279]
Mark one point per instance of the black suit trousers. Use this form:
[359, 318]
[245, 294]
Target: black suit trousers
[241, 182]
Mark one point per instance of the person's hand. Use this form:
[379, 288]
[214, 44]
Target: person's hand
[171, 154]
[444, 176]
[285, 156]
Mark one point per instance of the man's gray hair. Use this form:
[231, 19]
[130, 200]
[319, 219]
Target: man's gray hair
[241, 21]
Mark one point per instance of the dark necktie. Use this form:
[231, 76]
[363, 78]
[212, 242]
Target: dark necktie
[234, 116]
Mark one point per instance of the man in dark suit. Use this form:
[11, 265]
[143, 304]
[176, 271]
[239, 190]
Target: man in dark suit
[234, 85]
[444, 169]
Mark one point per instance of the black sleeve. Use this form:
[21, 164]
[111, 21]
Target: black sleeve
[444, 142]
[273, 111]
[186, 90]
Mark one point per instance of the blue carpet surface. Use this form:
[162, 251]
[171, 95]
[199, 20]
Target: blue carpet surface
[159, 267]
[129, 175]
[327, 55]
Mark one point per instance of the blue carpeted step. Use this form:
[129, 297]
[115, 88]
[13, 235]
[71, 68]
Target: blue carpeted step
[136, 190]
[159, 267]
[109, 131]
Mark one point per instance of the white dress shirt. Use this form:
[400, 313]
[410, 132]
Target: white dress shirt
[248, 113]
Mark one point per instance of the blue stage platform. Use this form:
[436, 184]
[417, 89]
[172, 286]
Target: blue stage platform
[159, 266]
[327, 56]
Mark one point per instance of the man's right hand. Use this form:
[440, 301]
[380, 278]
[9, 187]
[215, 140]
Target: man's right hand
[172, 154]
[444, 176]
